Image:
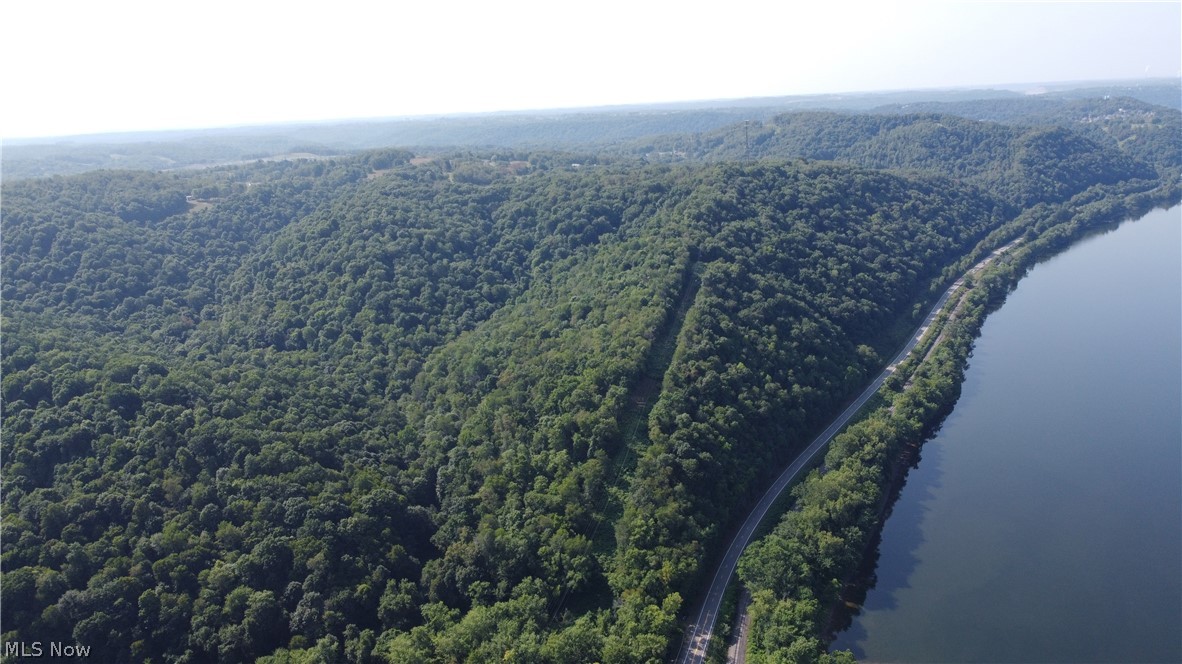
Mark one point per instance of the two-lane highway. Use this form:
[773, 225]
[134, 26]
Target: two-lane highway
[698, 633]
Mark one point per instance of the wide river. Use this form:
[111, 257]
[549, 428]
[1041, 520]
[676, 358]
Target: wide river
[1044, 520]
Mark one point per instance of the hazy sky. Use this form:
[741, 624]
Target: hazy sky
[118, 65]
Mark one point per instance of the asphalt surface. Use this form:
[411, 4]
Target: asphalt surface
[698, 633]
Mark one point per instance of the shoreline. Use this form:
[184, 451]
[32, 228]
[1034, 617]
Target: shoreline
[1069, 223]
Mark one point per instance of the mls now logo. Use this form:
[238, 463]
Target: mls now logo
[37, 649]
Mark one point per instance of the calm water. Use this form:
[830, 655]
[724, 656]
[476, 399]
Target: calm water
[1044, 522]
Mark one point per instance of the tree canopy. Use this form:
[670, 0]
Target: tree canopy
[462, 407]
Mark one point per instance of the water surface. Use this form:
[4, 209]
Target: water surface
[1044, 521]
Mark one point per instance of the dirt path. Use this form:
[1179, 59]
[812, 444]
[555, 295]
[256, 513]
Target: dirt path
[633, 422]
[736, 651]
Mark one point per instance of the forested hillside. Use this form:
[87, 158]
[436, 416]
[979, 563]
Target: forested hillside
[457, 408]
[1021, 164]
[1144, 131]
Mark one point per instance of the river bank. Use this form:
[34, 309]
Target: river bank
[799, 602]
[1046, 507]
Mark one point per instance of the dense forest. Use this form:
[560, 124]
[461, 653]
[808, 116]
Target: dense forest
[1145, 130]
[469, 405]
[1020, 163]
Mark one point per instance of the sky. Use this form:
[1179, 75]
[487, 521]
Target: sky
[126, 65]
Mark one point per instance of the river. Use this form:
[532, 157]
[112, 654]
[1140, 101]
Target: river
[1043, 522]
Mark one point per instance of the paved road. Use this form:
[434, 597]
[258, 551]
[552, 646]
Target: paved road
[698, 633]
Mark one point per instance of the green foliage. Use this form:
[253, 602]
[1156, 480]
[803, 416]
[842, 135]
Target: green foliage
[775, 341]
[365, 410]
[1142, 129]
[795, 572]
[1022, 165]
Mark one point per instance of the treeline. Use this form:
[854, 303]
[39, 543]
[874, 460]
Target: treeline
[1023, 165]
[533, 131]
[1145, 131]
[151, 153]
[367, 410]
[606, 129]
[795, 574]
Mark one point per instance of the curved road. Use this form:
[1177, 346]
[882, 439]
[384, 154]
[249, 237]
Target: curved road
[698, 633]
